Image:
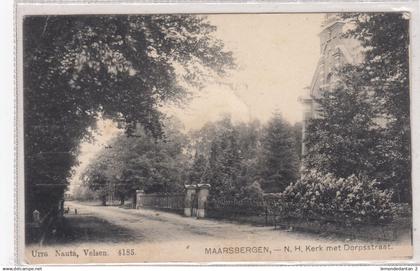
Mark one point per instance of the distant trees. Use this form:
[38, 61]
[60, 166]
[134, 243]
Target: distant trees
[98, 181]
[240, 160]
[224, 160]
[141, 162]
[197, 173]
[235, 158]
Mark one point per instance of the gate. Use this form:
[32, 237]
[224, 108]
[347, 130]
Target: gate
[192, 203]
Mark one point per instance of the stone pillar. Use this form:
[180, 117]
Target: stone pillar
[189, 195]
[139, 194]
[203, 193]
[36, 216]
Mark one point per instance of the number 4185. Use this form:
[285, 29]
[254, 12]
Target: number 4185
[126, 252]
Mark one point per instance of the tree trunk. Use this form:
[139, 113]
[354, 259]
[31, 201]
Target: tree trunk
[103, 200]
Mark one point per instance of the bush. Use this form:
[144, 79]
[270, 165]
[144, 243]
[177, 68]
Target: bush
[349, 200]
[249, 199]
[252, 192]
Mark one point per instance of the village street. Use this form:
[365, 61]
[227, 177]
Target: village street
[158, 226]
[104, 233]
[94, 223]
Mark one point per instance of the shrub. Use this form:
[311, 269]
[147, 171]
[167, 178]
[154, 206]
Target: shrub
[252, 192]
[250, 198]
[274, 202]
[350, 200]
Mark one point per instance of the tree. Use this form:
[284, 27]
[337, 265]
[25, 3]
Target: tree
[224, 161]
[344, 139]
[297, 131]
[279, 160]
[249, 137]
[97, 181]
[385, 38]
[79, 68]
[198, 170]
[141, 162]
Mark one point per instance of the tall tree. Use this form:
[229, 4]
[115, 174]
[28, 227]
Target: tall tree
[77, 68]
[385, 38]
[96, 180]
[197, 173]
[279, 160]
[224, 161]
[344, 139]
[297, 131]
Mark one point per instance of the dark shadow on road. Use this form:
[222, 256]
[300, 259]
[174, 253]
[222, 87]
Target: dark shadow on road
[85, 228]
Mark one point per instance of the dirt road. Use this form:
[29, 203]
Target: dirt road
[157, 226]
[113, 234]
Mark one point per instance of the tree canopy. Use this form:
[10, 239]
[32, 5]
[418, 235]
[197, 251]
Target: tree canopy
[140, 162]
[77, 68]
[233, 157]
[279, 155]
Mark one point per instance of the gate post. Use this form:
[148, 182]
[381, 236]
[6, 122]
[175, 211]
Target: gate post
[139, 194]
[203, 193]
[188, 202]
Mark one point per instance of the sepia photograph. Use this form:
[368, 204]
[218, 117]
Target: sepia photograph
[200, 138]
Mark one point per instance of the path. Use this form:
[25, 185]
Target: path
[158, 226]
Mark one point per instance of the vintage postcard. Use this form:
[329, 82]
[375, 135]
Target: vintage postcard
[199, 138]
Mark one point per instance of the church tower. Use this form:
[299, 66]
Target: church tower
[335, 51]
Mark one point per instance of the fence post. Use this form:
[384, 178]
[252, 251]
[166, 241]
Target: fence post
[139, 197]
[189, 192]
[36, 215]
[203, 193]
[266, 214]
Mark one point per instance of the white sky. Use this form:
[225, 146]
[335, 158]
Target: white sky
[276, 55]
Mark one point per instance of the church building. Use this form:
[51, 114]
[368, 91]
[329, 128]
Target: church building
[336, 51]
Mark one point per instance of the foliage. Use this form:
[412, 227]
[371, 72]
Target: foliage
[225, 156]
[97, 180]
[364, 126]
[234, 156]
[297, 132]
[249, 201]
[198, 170]
[252, 192]
[83, 193]
[78, 68]
[224, 161]
[385, 37]
[355, 199]
[279, 158]
[141, 162]
[344, 140]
